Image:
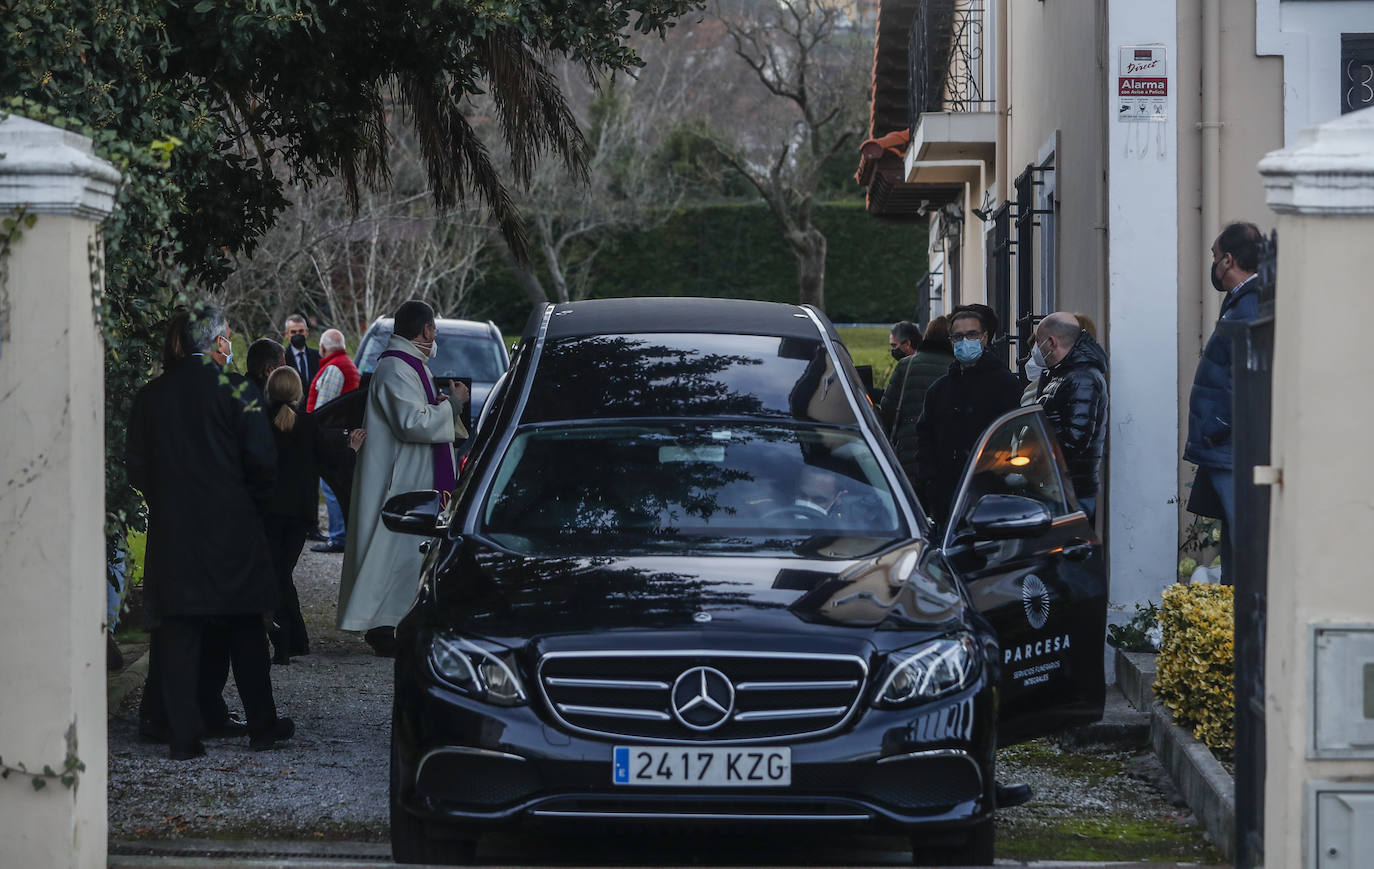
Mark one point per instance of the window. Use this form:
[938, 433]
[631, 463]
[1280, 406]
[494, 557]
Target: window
[1047, 213]
[1018, 459]
[638, 487]
[1357, 71]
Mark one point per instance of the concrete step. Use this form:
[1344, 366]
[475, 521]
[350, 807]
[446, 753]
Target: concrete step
[1122, 725]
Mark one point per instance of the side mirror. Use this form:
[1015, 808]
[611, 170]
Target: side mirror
[415, 513]
[1006, 517]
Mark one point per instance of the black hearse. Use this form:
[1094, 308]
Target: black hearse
[683, 579]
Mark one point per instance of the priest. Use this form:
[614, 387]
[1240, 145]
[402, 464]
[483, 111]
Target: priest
[411, 429]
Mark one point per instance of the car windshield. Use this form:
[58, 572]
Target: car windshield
[674, 485]
[460, 354]
[682, 375]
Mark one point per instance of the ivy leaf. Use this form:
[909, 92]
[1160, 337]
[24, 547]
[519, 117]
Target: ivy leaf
[39, 783]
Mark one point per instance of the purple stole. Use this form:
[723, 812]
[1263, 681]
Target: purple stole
[444, 479]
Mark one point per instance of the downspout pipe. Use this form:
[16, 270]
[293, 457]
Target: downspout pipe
[1210, 127]
[1002, 96]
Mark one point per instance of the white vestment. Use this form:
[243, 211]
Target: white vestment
[381, 568]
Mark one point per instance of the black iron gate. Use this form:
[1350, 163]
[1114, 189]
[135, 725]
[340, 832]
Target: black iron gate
[1252, 355]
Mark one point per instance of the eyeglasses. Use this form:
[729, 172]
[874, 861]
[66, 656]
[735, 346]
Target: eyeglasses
[963, 336]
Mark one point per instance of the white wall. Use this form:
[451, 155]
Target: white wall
[1307, 33]
[52, 504]
[1142, 326]
[1322, 188]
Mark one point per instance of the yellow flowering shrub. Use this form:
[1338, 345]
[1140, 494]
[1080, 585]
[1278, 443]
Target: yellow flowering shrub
[1196, 677]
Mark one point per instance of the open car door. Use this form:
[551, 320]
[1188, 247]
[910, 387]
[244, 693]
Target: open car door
[1032, 564]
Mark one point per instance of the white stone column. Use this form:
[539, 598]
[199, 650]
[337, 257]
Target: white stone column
[1142, 320]
[1322, 188]
[52, 499]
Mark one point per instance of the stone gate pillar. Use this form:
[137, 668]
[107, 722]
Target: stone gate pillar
[1319, 656]
[52, 499]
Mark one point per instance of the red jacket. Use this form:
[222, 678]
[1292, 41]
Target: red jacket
[350, 375]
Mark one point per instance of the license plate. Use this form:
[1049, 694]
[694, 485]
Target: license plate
[679, 766]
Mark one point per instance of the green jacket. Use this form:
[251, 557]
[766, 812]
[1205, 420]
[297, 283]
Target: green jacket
[905, 396]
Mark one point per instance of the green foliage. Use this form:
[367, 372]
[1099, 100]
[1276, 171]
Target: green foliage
[1196, 677]
[69, 775]
[209, 107]
[1201, 538]
[736, 251]
[1136, 635]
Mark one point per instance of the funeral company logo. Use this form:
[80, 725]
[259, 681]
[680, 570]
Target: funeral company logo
[1035, 599]
[703, 698]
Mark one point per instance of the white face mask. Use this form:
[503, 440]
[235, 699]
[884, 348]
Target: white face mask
[430, 350]
[1038, 358]
[1033, 368]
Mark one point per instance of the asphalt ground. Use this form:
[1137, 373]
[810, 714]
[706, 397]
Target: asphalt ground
[321, 799]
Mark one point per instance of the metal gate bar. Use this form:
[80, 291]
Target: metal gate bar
[1252, 356]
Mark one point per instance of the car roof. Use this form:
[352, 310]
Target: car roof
[680, 315]
[442, 324]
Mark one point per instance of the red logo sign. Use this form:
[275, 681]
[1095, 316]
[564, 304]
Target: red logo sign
[1142, 86]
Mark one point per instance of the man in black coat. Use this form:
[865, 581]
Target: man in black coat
[205, 466]
[958, 407]
[1073, 392]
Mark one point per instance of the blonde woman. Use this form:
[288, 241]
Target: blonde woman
[301, 447]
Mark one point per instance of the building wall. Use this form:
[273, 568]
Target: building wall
[1055, 81]
[1307, 35]
[1320, 517]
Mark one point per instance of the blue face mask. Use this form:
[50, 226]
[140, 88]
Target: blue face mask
[968, 350]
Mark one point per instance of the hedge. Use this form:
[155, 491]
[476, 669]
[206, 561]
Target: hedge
[1196, 665]
[737, 251]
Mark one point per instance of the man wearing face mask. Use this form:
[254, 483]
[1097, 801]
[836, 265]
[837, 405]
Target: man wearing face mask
[411, 428]
[976, 390]
[1073, 391]
[905, 394]
[206, 466]
[1235, 258]
[305, 360]
[903, 339]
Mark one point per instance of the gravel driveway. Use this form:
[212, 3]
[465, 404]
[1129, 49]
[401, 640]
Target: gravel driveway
[329, 780]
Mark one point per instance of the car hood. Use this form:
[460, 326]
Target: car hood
[501, 595]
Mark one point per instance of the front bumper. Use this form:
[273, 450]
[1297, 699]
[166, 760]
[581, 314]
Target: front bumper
[474, 766]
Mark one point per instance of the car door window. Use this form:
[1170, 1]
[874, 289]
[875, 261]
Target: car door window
[1017, 458]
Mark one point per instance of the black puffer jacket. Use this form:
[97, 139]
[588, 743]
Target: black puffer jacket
[958, 407]
[1074, 395]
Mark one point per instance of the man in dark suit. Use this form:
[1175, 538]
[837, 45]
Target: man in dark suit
[305, 360]
[205, 465]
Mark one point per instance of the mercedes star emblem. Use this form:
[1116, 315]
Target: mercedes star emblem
[703, 698]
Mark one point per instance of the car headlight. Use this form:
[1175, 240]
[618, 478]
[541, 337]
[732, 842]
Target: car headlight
[483, 673]
[927, 671]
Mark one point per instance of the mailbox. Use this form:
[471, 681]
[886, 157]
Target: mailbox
[1342, 701]
[1340, 824]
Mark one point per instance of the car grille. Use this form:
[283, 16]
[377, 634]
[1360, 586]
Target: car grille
[630, 694]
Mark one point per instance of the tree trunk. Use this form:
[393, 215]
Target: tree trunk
[523, 274]
[808, 246]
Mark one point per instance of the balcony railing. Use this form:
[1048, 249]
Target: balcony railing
[946, 54]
